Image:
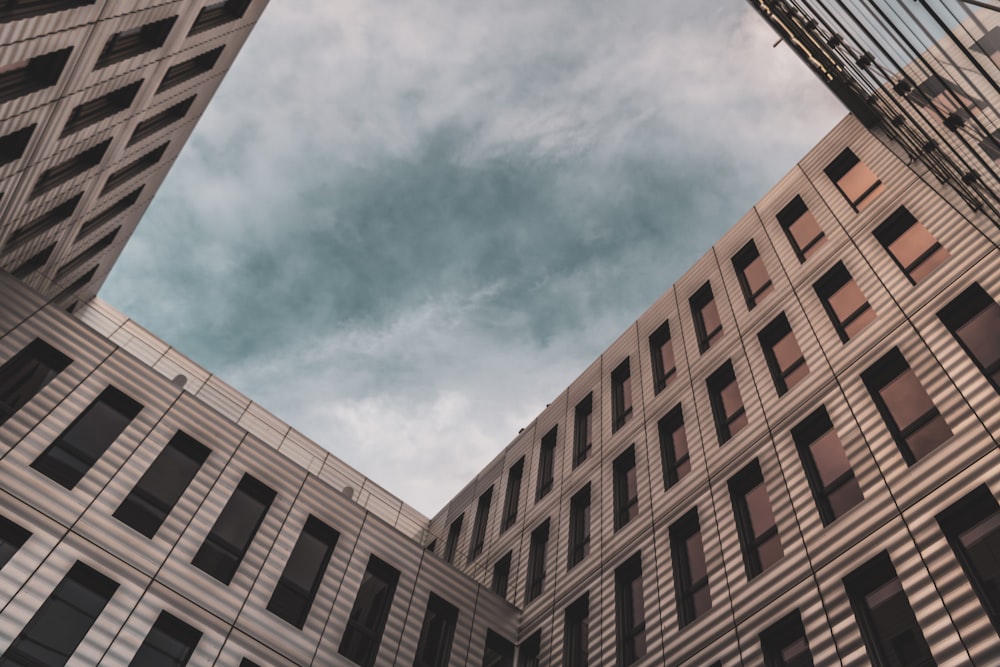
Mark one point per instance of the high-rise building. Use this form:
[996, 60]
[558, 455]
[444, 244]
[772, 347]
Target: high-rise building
[790, 458]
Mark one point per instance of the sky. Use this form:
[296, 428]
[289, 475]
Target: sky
[405, 226]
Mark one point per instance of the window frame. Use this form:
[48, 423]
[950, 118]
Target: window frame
[782, 634]
[630, 632]
[388, 577]
[658, 340]
[968, 306]
[537, 560]
[501, 575]
[454, 535]
[743, 260]
[621, 395]
[173, 628]
[790, 214]
[699, 301]
[279, 604]
[777, 331]
[479, 525]
[576, 632]
[34, 357]
[842, 165]
[438, 610]
[546, 463]
[625, 483]
[717, 383]
[685, 587]
[749, 479]
[829, 284]
[805, 434]
[673, 465]
[580, 508]
[900, 222]
[512, 495]
[583, 429]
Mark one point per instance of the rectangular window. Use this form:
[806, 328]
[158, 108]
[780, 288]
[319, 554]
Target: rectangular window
[369, 614]
[152, 499]
[854, 179]
[800, 226]
[755, 524]
[87, 254]
[910, 245]
[727, 404]
[621, 395]
[626, 488]
[170, 643]
[690, 569]
[189, 69]
[583, 424]
[674, 454]
[64, 619]
[946, 97]
[783, 355]
[43, 223]
[752, 274]
[27, 373]
[546, 464]
[501, 576]
[704, 311]
[23, 9]
[13, 145]
[105, 106]
[579, 526]
[164, 119]
[32, 74]
[888, 626]
[12, 538]
[512, 498]
[215, 14]
[831, 478]
[576, 628]
[79, 447]
[630, 611]
[33, 263]
[911, 416]
[454, 533]
[70, 169]
[973, 318]
[293, 596]
[134, 168]
[661, 352]
[529, 653]
[437, 633]
[784, 643]
[844, 302]
[498, 652]
[479, 526]
[536, 562]
[134, 41]
[223, 550]
[110, 213]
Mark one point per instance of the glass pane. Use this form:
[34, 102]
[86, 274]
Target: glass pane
[769, 552]
[702, 601]
[759, 509]
[786, 351]
[906, 399]
[856, 182]
[846, 300]
[805, 230]
[829, 456]
[980, 335]
[911, 244]
[928, 437]
[859, 323]
[926, 267]
[696, 557]
[710, 317]
[844, 497]
[731, 401]
[667, 357]
[756, 275]
[796, 376]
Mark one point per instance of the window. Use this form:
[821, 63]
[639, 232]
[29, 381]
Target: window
[110, 213]
[727, 405]
[674, 454]
[152, 499]
[454, 532]
[368, 615]
[831, 478]
[621, 395]
[844, 303]
[170, 643]
[27, 373]
[134, 168]
[60, 624]
[707, 323]
[164, 119]
[87, 254]
[583, 425]
[12, 538]
[690, 570]
[529, 653]
[33, 263]
[626, 488]
[784, 643]
[32, 74]
[501, 575]
[784, 358]
[134, 41]
[479, 526]
[546, 464]
[45, 222]
[72, 289]
[946, 97]
[536, 562]
[12, 145]
[911, 246]
[579, 526]
[498, 652]
[79, 447]
[973, 318]
[991, 145]
[758, 532]
[293, 596]
[888, 626]
[576, 629]
[246, 662]
[913, 420]
[661, 352]
[513, 495]
[434, 647]
[630, 612]
[17, 10]
[215, 14]
[223, 550]
[751, 274]
[854, 180]
[105, 106]
[189, 69]
[70, 169]
[800, 226]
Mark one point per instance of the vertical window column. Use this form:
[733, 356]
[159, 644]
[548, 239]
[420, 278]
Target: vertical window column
[690, 569]
[536, 562]
[579, 526]
[674, 454]
[626, 488]
[758, 532]
[479, 525]
[630, 611]
[512, 497]
[621, 395]
[583, 423]
[27, 373]
[300, 580]
[437, 633]
[369, 614]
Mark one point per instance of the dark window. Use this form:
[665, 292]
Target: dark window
[800, 226]
[911, 246]
[479, 525]
[661, 352]
[579, 526]
[704, 311]
[621, 395]
[576, 629]
[583, 431]
[854, 179]
[454, 532]
[16, 10]
[189, 69]
[536, 562]
[546, 464]
[529, 653]
[70, 169]
[45, 222]
[109, 213]
[727, 405]
[245, 662]
[223, 550]
[501, 576]
[170, 643]
[784, 358]
[498, 652]
[369, 613]
[33, 263]
[831, 478]
[630, 611]
[165, 118]
[512, 498]
[79, 447]
[626, 488]
[844, 302]
[152, 499]
[74, 287]
[87, 254]
[888, 626]
[32, 74]
[55, 631]
[946, 97]
[432, 546]
[215, 14]
[991, 144]
[134, 168]
[752, 274]
[105, 106]
[12, 538]
[784, 643]
[293, 596]
[913, 420]
[973, 318]
[758, 532]
[12, 145]
[437, 633]
[690, 570]
[674, 454]
[134, 41]
[27, 373]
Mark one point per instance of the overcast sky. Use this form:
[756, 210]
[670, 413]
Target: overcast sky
[405, 226]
